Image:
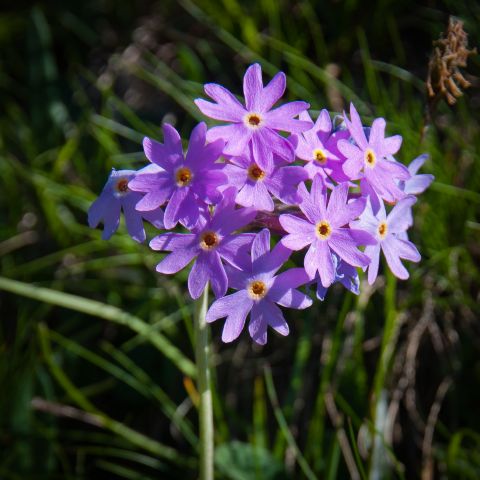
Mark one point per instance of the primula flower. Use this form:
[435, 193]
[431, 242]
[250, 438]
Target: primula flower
[115, 197]
[389, 232]
[255, 185]
[372, 158]
[324, 230]
[344, 274]
[187, 182]
[210, 243]
[259, 292]
[417, 184]
[255, 124]
[318, 147]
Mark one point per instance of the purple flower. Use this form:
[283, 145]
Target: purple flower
[344, 274]
[255, 185]
[389, 232]
[259, 290]
[372, 158]
[187, 182]
[116, 196]
[417, 184]
[324, 230]
[210, 243]
[318, 147]
[255, 124]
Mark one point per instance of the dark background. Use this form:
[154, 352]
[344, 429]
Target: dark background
[390, 380]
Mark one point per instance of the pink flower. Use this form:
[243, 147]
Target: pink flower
[371, 159]
[254, 124]
[259, 292]
[389, 231]
[324, 230]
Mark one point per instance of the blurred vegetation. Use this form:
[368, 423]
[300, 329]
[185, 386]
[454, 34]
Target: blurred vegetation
[381, 386]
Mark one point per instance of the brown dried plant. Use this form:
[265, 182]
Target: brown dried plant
[449, 55]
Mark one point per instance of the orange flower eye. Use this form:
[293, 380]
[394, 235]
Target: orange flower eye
[319, 156]
[253, 120]
[370, 158]
[255, 172]
[257, 290]
[382, 230]
[209, 240]
[122, 185]
[323, 230]
[183, 176]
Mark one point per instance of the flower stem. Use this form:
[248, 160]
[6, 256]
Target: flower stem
[202, 355]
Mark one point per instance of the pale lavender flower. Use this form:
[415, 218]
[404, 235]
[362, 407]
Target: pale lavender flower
[417, 183]
[389, 232]
[254, 124]
[318, 147]
[259, 292]
[256, 185]
[344, 274]
[115, 197]
[211, 242]
[324, 230]
[186, 182]
[371, 159]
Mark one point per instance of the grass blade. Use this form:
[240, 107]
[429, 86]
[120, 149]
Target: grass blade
[106, 312]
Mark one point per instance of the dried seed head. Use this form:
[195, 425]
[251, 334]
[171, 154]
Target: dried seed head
[450, 53]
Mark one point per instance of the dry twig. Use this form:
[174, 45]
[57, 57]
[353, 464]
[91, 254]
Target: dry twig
[427, 460]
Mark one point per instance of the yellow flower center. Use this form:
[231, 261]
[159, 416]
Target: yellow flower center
[257, 290]
[255, 173]
[208, 241]
[122, 185]
[382, 230]
[319, 156]
[323, 230]
[370, 158]
[253, 120]
[183, 176]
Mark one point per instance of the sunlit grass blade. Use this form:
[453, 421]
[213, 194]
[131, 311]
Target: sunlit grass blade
[122, 471]
[237, 46]
[151, 390]
[104, 421]
[259, 436]
[120, 453]
[315, 442]
[101, 310]
[167, 86]
[117, 128]
[299, 61]
[137, 379]
[272, 395]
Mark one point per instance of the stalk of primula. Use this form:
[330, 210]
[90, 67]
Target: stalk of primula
[337, 192]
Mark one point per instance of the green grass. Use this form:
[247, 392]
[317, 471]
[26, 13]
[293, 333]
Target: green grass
[96, 350]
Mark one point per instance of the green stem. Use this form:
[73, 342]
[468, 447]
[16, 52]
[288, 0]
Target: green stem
[205, 412]
[379, 466]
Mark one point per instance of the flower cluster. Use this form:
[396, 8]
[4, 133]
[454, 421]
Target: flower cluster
[335, 193]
